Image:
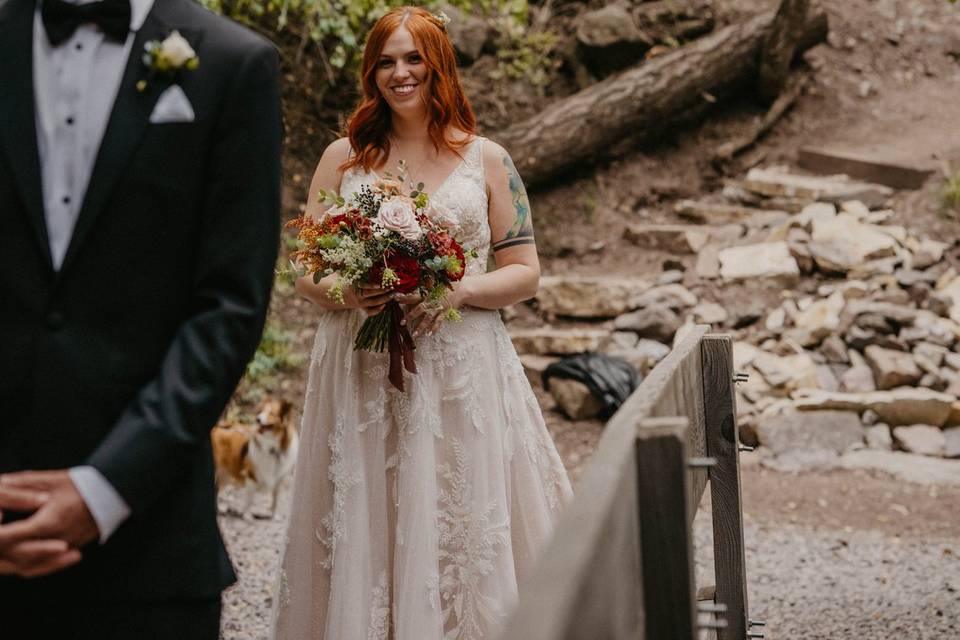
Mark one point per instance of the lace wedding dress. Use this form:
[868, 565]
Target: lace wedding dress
[416, 514]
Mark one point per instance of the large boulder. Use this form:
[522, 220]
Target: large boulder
[897, 407]
[878, 437]
[891, 368]
[468, 33]
[951, 447]
[906, 466]
[642, 354]
[951, 292]
[589, 297]
[575, 398]
[842, 243]
[769, 261]
[788, 373]
[858, 379]
[657, 323]
[818, 321]
[710, 313]
[609, 40]
[921, 438]
[675, 296]
[836, 431]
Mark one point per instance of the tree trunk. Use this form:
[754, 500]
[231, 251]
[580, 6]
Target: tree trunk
[778, 48]
[643, 101]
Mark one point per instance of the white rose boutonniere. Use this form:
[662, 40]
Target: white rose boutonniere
[167, 57]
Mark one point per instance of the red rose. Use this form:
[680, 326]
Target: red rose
[406, 268]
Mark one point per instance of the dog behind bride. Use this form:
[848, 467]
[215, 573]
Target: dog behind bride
[139, 178]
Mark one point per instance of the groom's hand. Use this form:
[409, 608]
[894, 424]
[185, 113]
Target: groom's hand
[60, 522]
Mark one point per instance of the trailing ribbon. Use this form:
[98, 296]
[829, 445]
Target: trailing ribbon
[401, 346]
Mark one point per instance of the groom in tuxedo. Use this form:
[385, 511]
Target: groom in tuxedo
[139, 220]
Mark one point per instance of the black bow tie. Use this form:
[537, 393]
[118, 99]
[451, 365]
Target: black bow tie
[62, 18]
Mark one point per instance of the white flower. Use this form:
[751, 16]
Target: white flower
[396, 214]
[176, 50]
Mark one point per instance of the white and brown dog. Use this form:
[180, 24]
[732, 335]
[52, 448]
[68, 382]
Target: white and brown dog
[257, 457]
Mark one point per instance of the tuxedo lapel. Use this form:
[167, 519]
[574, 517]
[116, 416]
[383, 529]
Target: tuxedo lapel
[18, 132]
[128, 122]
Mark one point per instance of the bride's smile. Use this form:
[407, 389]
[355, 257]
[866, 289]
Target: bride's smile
[405, 89]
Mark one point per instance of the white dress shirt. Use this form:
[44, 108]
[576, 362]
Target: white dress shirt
[75, 86]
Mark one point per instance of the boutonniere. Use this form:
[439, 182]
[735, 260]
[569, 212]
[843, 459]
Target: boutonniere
[167, 57]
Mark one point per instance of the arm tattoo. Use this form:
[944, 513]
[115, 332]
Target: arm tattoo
[522, 230]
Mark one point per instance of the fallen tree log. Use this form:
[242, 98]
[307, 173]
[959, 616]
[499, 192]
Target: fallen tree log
[641, 102]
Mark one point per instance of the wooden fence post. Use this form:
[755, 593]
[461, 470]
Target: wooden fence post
[723, 444]
[666, 547]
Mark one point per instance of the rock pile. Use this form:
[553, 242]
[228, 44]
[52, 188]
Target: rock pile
[860, 351]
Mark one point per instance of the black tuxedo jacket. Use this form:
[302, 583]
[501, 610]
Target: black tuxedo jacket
[125, 357]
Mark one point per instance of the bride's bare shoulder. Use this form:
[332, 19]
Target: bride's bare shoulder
[496, 160]
[328, 172]
[336, 152]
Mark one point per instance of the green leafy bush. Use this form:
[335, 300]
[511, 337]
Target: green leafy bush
[274, 355]
[334, 30]
[950, 194]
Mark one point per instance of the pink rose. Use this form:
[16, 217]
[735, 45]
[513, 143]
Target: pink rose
[397, 215]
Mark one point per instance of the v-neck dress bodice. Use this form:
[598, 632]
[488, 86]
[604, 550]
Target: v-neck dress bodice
[461, 198]
[415, 514]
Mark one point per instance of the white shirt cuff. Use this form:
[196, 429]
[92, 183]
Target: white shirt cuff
[106, 506]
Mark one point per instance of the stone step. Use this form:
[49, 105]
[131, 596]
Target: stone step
[719, 213]
[779, 183]
[675, 238]
[589, 296]
[862, 167]
[549, 341]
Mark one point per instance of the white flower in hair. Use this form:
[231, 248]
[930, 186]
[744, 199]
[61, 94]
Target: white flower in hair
[442, 18]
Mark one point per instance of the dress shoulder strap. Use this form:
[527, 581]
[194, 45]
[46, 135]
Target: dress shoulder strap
[473, 157]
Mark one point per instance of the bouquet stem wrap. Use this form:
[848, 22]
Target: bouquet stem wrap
[387, 330]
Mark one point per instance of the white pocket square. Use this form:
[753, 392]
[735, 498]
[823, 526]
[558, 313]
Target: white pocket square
[173, 106]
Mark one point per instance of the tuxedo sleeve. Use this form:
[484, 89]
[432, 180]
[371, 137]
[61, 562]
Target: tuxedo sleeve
[155, 440]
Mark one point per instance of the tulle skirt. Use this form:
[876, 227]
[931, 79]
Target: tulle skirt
[416, 514]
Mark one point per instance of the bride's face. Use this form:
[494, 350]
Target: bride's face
[402, 74]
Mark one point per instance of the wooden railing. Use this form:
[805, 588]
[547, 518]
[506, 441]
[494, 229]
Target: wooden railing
[620, 564]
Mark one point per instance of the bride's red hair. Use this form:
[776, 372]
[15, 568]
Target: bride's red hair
[369, 125]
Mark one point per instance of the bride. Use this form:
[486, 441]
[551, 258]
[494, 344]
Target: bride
[415, 514]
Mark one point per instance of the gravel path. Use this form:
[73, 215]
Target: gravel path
[843, 555]
[808, 582]
[254, 546]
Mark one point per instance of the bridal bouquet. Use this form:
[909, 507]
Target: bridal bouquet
[389, 238]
